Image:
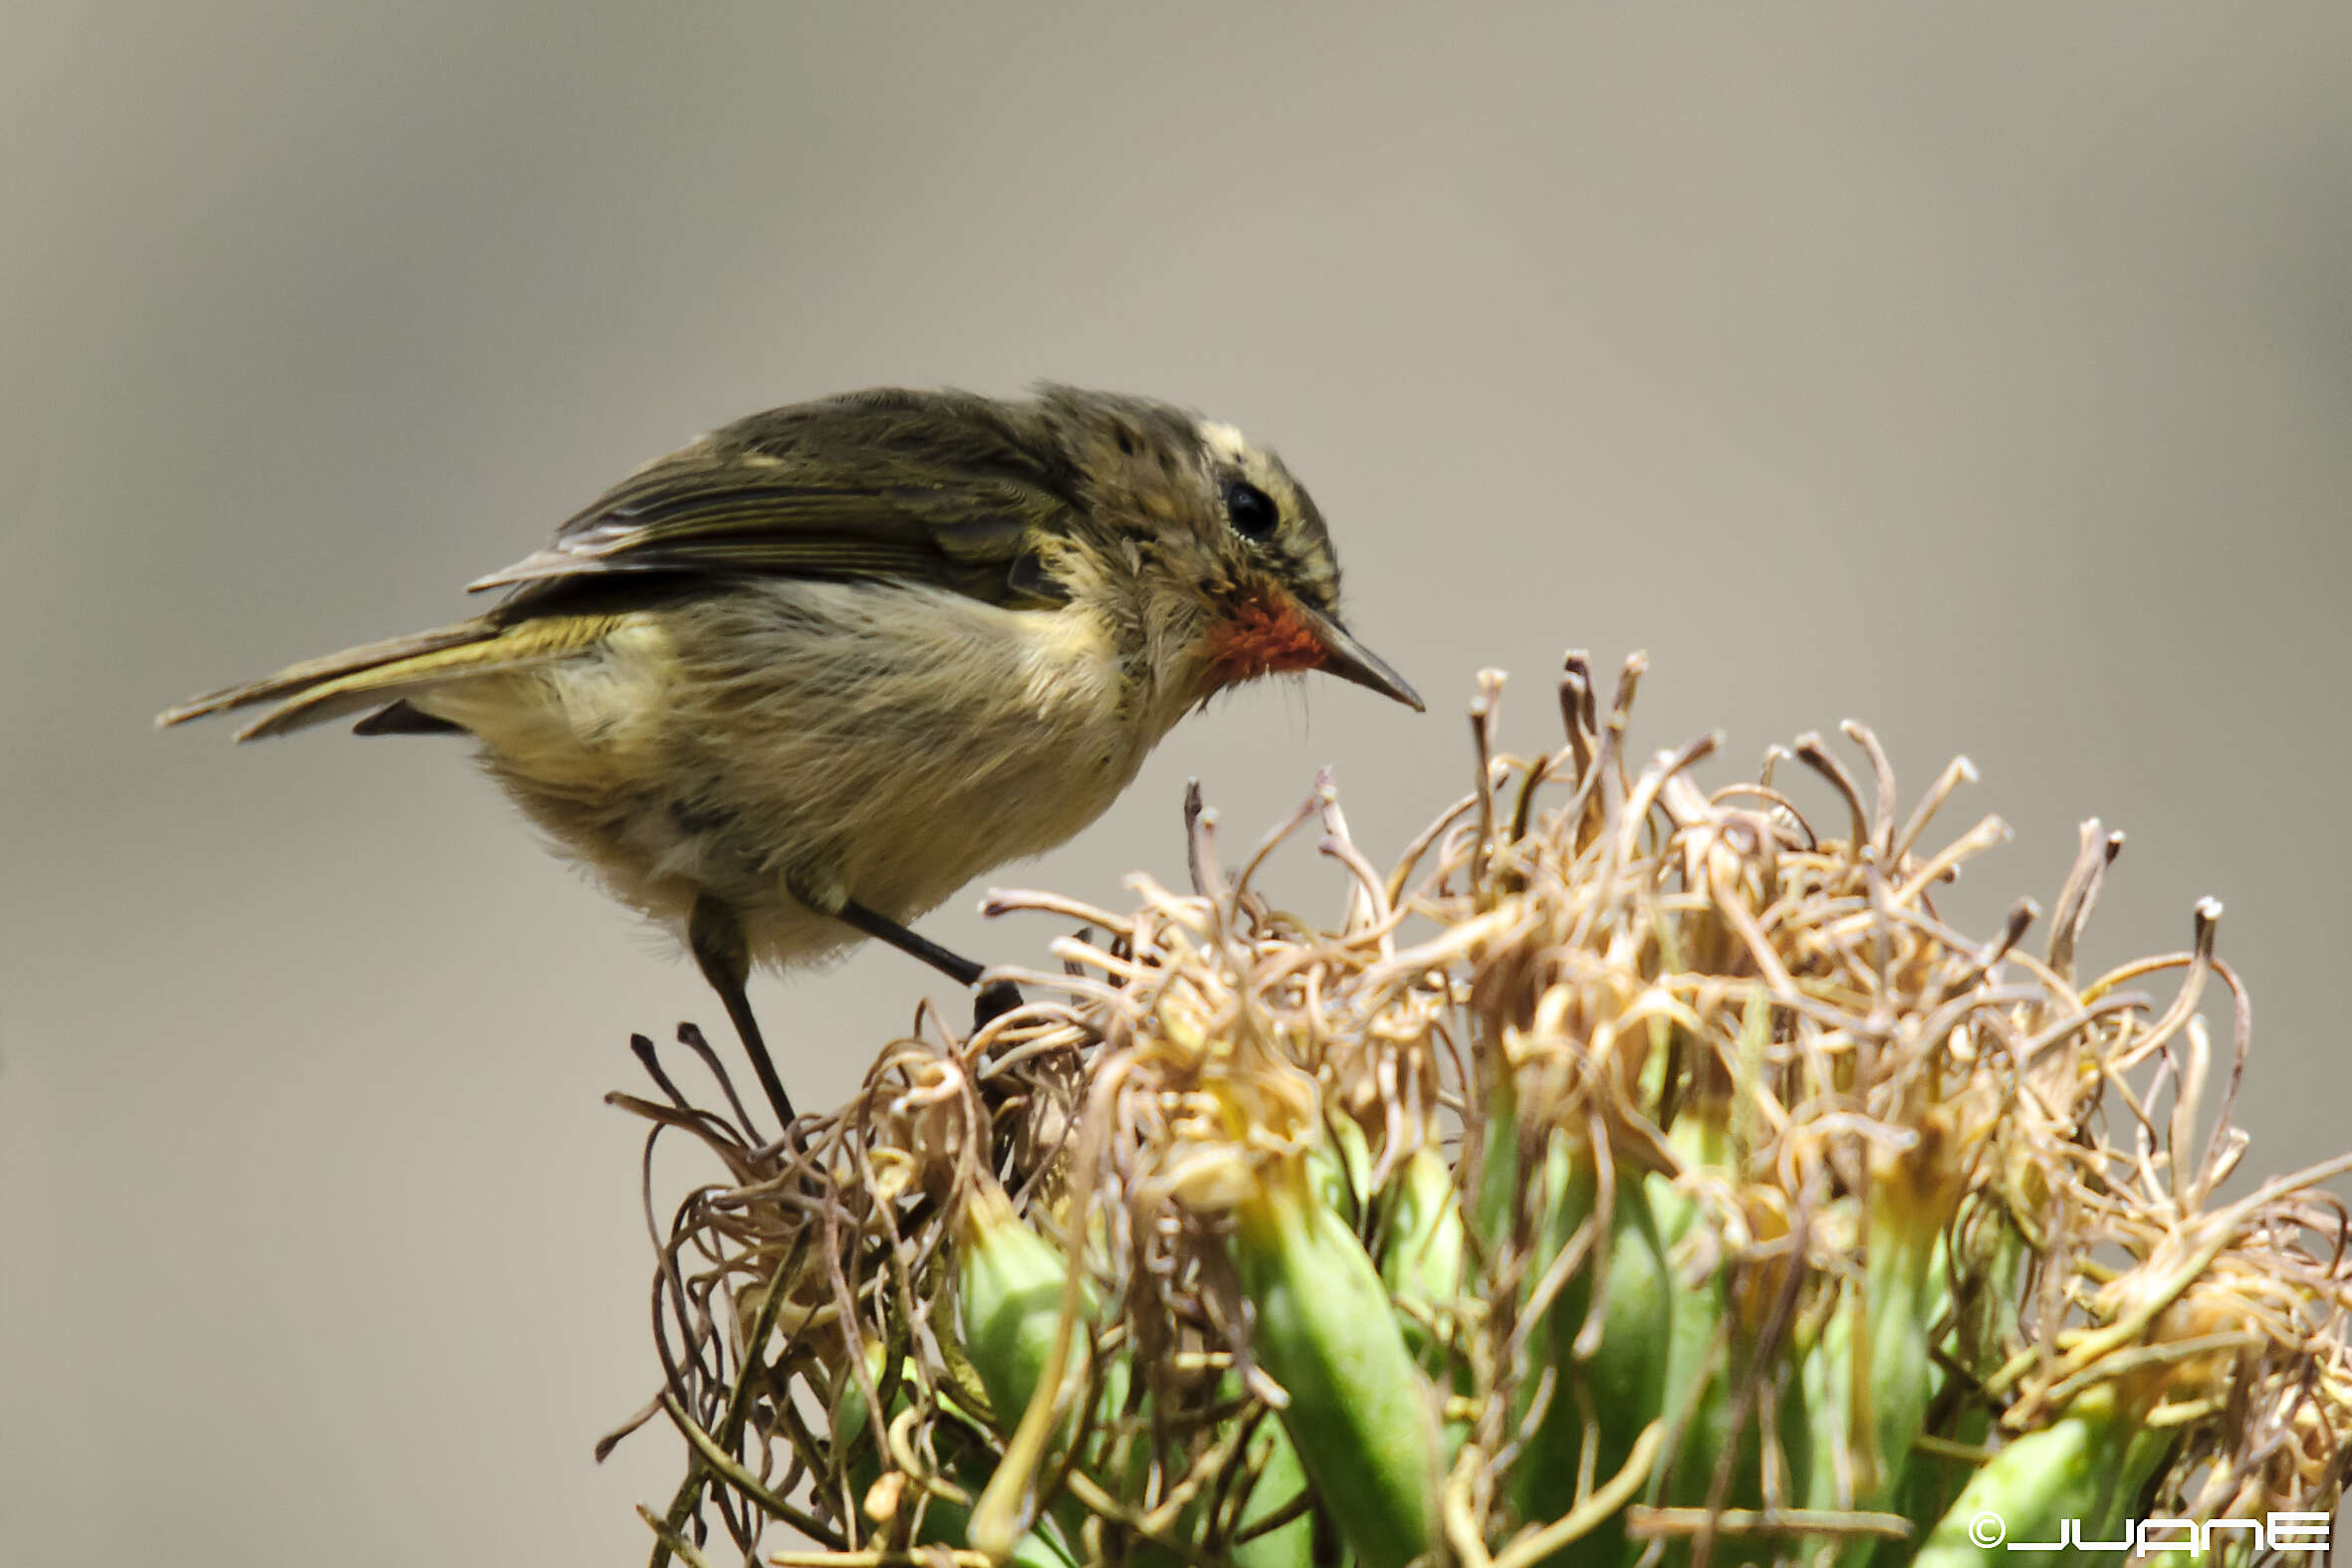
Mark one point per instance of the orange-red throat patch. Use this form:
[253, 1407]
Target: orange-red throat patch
[1265, 635]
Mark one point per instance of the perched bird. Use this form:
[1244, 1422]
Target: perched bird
[805, 677]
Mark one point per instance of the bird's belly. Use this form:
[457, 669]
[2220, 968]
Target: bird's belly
[975, 810]
[798, 744]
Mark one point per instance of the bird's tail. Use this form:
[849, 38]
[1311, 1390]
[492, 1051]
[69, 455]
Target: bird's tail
[383, 675]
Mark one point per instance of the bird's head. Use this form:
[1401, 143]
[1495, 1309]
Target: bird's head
[1208, 548]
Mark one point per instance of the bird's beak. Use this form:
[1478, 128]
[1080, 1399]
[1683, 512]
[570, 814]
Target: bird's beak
[1350, 660]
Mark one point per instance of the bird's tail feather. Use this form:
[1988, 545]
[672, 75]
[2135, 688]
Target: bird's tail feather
[378, 673]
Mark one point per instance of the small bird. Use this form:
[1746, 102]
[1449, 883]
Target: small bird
[802, 679]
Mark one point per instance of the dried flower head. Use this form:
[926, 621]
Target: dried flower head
[1634, 1169]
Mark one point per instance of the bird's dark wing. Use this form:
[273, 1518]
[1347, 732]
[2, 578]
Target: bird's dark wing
[937, 488]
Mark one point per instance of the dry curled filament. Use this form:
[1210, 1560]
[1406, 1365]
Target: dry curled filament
[1634, 1171]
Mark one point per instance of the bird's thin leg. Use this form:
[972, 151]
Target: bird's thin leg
[994, 999]
[715, 936]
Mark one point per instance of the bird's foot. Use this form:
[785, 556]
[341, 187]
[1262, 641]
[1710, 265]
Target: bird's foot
[992, 1001]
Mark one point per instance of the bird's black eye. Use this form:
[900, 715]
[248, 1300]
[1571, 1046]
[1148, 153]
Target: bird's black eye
[1250, 510]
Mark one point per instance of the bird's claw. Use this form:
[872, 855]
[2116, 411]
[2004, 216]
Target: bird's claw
[992, 1001]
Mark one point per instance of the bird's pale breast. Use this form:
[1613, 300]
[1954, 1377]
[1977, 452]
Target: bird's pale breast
[878, 742]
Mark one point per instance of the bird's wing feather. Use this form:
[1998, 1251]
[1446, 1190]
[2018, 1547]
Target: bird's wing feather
[944, 494]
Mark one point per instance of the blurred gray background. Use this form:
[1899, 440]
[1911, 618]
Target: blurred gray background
[1984, 372]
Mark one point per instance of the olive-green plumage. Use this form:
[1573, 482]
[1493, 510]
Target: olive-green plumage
[856, 652]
